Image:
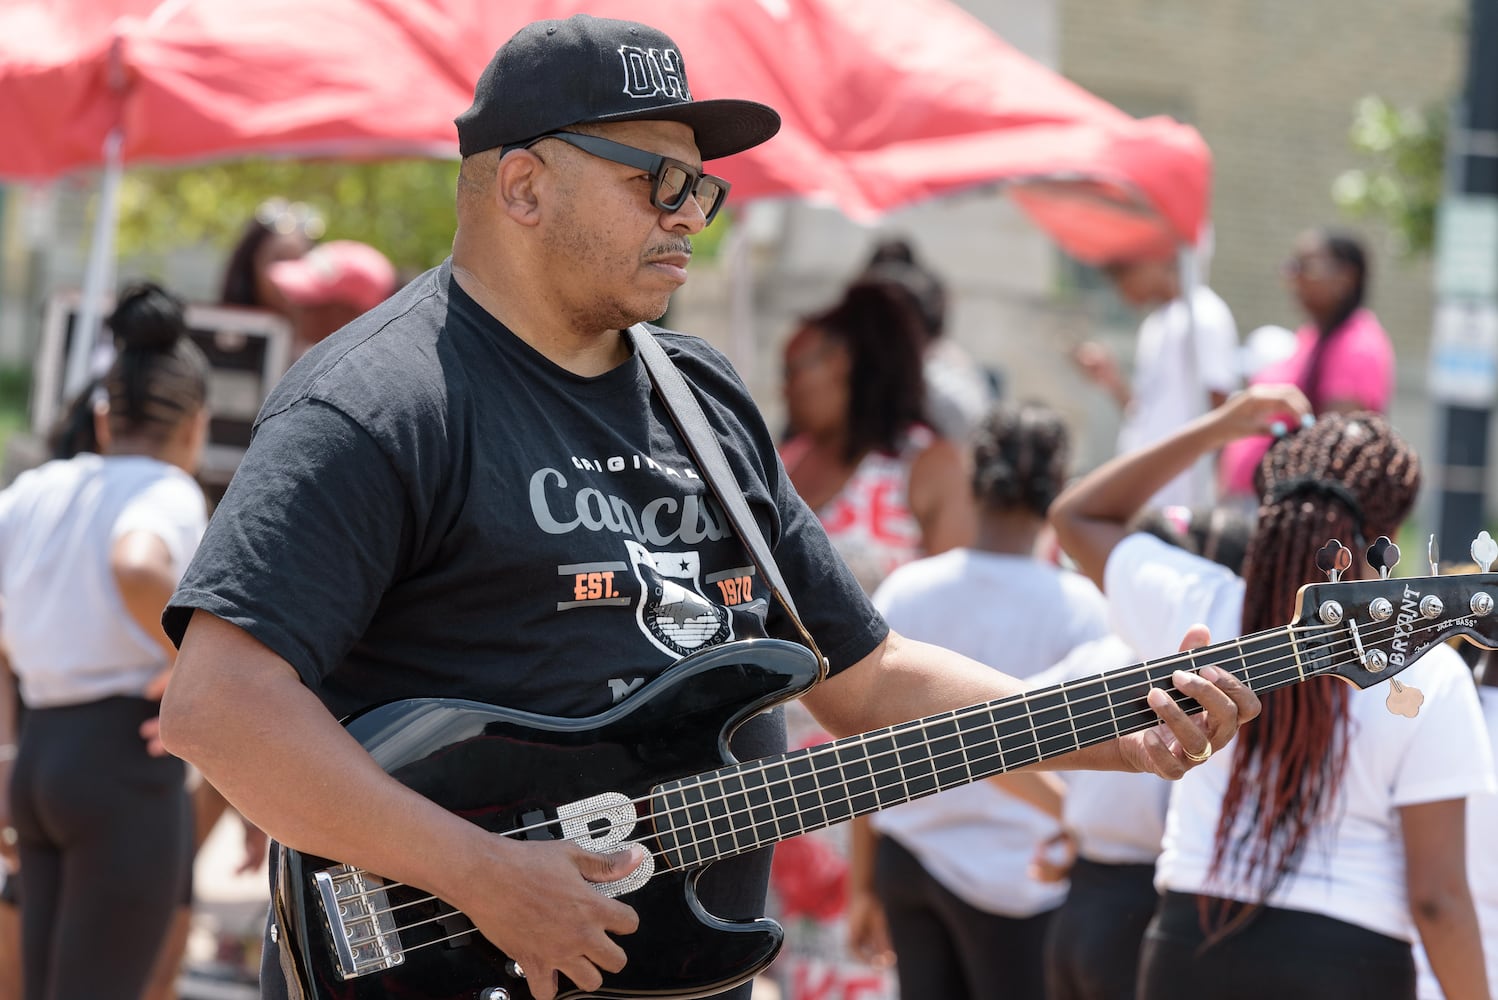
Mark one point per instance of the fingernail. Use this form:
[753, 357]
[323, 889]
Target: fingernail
[1309, 420]
[1210, 673]
[1278, 429]
[1182, 677]
[1157, 698]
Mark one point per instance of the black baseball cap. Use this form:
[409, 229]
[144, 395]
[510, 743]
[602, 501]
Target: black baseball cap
[554, 74]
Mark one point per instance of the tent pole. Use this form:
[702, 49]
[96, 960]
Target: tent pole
[99, 274]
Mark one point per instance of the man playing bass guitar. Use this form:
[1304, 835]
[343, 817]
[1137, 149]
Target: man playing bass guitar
[471, 492]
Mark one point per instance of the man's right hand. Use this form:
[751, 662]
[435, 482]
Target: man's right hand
[541, 907]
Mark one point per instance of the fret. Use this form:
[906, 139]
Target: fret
[671, 829]
[1055, 731]
[858, 776]
[806, 796]
[948, 754]
[1112, 709]
[1128, 691]
[699, 822]
[917, 769]
[837, 803]
[764, 823]
[1091, 708]
[782, 802]
[889, 776]
[1015, 733]
[1230, 655]
[1271, 660]
[975, 731]
[736, 808]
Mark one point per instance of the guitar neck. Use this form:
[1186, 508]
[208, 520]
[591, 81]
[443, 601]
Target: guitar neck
[755, 803]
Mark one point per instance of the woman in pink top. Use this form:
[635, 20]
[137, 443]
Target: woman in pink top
[1343, 360]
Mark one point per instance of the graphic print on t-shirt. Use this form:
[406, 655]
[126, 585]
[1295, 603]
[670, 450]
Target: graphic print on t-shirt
[672, 611]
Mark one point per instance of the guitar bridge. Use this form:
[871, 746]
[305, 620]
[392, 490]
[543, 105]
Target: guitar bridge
[359, 921]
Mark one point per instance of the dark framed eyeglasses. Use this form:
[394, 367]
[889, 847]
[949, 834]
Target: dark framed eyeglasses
[672, 180]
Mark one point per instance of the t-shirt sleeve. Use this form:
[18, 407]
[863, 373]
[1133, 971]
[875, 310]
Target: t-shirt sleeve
[311, 531]
[1450, 755]
[174, 510]
[1359, 365]
[1156, 592]
[1217, 344]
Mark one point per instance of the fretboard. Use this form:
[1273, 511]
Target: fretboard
[755, 803]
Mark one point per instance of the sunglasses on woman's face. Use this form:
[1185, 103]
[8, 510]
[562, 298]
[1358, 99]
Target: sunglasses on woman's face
[672, 181]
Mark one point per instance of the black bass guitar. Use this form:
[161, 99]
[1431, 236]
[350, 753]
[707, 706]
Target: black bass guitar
[655, 770]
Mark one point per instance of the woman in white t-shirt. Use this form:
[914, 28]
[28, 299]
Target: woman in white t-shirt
[1305, 861]
[1482, 834]
[90, 550]
[947, 875]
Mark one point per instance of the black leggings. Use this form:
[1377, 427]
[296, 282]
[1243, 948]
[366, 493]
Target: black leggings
[1282, 954]
[105, 838]
[946, 949]
[1092, 947]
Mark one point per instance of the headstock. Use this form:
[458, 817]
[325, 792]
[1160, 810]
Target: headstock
[1366, 631]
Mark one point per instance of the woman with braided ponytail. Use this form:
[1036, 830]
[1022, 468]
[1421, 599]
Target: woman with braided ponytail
[90, 550]
[1305, 861]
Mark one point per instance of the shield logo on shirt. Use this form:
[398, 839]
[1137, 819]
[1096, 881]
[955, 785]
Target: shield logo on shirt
[672, 610]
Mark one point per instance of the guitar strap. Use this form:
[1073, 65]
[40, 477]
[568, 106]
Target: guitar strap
[686, 413]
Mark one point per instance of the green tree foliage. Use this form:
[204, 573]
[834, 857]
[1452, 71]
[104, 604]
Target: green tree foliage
[404, 207]
[1401, 187]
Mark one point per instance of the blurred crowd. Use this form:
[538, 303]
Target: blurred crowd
[1234, 467]
[1328, 827]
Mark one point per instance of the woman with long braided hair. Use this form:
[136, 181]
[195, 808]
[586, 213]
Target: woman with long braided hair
[1304, 862]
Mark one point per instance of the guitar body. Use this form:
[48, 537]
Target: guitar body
[510, 771]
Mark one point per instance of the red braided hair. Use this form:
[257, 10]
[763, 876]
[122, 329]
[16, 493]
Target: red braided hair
[1290, 762]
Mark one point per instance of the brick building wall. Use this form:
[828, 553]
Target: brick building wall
[1271, 85]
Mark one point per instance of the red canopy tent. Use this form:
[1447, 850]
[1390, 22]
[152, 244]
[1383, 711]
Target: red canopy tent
[885, 102]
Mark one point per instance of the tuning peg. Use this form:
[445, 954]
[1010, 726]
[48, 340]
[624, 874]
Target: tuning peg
[1484, 550]
[1333, 559]
[1383, 555]
[1433, 554]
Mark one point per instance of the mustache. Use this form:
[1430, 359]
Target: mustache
[682, 246]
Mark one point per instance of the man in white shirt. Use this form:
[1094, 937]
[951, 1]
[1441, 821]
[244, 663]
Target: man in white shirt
[1185, 363]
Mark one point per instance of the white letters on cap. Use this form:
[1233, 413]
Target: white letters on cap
[653, 73]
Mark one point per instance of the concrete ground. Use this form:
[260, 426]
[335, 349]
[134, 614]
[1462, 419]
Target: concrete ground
[223, 948]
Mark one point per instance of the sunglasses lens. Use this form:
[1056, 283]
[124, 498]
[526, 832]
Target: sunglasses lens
[710, 195]
[671, 188]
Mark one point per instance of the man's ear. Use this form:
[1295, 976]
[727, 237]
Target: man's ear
[518, 185]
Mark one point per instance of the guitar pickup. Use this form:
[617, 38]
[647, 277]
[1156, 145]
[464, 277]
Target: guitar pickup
[359, 921]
